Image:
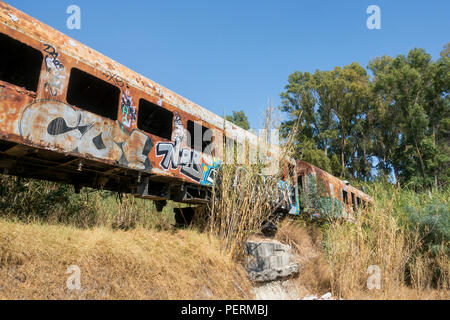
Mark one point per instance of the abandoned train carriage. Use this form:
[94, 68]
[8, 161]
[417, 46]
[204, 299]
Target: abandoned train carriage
[70, 114]
[334, 197]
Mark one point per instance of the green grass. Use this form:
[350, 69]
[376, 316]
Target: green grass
[28, 200]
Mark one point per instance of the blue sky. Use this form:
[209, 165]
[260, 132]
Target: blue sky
[233, 55]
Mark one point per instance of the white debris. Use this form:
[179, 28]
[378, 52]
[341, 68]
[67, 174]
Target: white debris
[326, 296]
[13, 17]
[310, 297]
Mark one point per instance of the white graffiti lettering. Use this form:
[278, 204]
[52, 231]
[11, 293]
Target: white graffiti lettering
[57, 125]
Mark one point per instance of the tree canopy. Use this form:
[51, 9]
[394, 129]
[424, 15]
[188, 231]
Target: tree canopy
[240, 119]
[391, 118]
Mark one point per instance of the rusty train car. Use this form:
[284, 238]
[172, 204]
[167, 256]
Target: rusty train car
[70, 114]
[336, 198]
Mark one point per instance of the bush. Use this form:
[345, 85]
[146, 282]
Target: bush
[31, 200]
[433, 223]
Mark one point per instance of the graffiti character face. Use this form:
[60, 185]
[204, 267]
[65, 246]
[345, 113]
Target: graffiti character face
[128, 110]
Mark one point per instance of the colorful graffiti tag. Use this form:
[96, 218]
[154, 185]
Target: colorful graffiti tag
[128, 110]
[209, 172]
[189, 161]
[59, 126]
[177, 157]
[54, 77]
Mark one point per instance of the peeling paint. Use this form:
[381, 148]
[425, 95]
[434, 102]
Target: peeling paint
[13, 17]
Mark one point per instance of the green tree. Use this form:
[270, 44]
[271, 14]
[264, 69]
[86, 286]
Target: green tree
[330, 107]
[398, 118]
[412, 109]
[240, 119]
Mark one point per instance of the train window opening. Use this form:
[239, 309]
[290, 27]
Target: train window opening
[206, 137]
[331, 190]
[353, 201]
[155, 120]
[358, 202]
[345, 196]
[93, 94]
[21, 64]
[300, 183]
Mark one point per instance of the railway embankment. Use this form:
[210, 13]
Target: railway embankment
[39, 261]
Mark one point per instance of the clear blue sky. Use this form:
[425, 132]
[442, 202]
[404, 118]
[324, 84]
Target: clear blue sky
[232, 55]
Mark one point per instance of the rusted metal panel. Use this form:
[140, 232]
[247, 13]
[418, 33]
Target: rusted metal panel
[44, 119]
[62, 134]
[333, 187]
[113, 71]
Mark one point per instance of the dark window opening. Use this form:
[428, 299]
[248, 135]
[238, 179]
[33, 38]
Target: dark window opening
[20, 64]
[205, 138]
[155, 120]
[353, 201]
[358, 202]
[300, 183]
[93, 94]
[345, 196]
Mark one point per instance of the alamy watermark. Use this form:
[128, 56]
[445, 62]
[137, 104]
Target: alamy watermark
[374, 20]
[374, 279]
[74, 280]
[74, 20]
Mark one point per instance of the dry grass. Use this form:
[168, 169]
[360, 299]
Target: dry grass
[239, 207]
[306, 242]
[244, 194]
[377, 238]
[336, 257]
[137, 264]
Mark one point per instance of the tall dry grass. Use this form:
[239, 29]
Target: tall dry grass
[244, 195]
[306, 241]
[379, 238]
[239, 206]
[134, 264]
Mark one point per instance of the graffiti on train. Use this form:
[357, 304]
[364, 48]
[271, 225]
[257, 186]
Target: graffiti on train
[58, 125]
[128, 110]
[189, 161]
[210, 171]
[55, 73]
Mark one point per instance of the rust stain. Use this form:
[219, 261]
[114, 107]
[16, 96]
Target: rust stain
[333, 186]
[45, 120]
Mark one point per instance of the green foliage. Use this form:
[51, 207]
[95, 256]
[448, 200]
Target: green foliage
[310, 153]
[397, 122]
[240, 119]
[31, 200]
[315, 200]
[433, 222]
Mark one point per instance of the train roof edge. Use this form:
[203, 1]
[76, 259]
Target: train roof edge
[24, 23]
